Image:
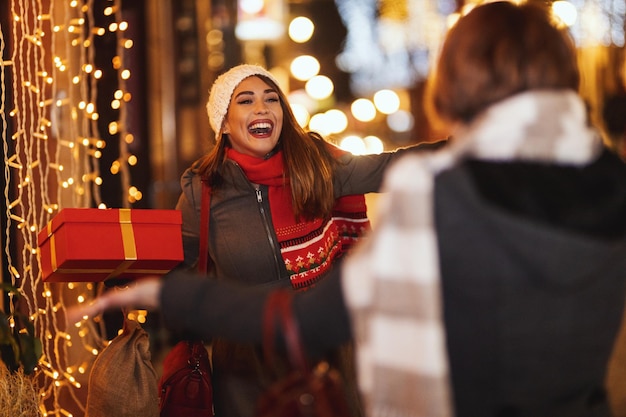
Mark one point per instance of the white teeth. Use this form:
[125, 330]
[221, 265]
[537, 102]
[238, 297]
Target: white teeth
[260, 126]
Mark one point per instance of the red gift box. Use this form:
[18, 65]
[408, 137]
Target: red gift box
[90, 245]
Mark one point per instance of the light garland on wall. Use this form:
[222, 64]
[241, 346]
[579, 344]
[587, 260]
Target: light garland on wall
[599, 22]
[51, 157]
[390, 43]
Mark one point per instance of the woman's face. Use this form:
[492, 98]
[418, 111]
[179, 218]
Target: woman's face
[255, 118]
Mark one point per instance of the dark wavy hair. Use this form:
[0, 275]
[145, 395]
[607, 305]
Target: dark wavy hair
[308, 163]
[495, 51]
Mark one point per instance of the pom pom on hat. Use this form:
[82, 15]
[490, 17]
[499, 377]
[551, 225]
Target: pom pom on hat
[222, 91]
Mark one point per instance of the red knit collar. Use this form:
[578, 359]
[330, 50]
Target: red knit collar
[260, 170]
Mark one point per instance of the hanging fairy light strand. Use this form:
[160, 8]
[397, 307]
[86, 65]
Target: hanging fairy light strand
[51, 160]
[120, 100]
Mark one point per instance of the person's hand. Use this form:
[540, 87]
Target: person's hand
[144, 293]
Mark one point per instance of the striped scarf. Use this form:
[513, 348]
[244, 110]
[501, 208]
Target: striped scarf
[308, 248]
[392, 282]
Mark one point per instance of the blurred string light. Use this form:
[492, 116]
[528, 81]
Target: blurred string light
[121, 98]
[53, 155]
[363, 110]
[319, 123]
[307, 104]
[390, 43]
[337, 120]
[302, 98]
[260, 20]
[401, 121]
[319, 87]
[387, 101]
[362, 146]
[373, 144]
[215, 47]
[301, 29]
[565, 12]
[251, 6]
[301, 113]
[330, 122]
[591, 22]
[594, 22]
[353, 144]
[304, 67]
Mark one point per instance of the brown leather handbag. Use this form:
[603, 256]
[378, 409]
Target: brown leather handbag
[305, 391]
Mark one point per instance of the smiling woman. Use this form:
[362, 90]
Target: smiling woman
[285, 206]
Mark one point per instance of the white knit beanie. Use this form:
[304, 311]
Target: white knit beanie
[222, 91]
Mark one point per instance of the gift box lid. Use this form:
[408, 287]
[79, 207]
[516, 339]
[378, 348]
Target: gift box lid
[108, 215]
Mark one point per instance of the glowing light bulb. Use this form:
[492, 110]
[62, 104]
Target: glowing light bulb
[301, 29]
[386, 101]
[304, 67]
[319, 87]
[363, 110]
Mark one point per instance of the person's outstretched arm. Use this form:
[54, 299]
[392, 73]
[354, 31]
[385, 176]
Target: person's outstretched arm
[205, 308]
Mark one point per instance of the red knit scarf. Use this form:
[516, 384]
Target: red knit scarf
[308, 248]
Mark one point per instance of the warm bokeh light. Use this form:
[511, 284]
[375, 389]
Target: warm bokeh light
[387, 101]
[363, 110]
[319, 87]
[304, 67]
[301, 113]
[301, 29]
[259, 20]
[319, 124]
[373, 144]
[400, 121]
[302, 98]
[337, 120]
[251, 6]
[565, 12]
[353, 144]
[452, 19]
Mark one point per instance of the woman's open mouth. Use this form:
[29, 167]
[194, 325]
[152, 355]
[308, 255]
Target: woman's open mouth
[260, 129]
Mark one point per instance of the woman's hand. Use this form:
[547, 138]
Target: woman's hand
[144, 293]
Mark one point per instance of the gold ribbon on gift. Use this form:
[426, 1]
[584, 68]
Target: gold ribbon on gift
[128, 236]
[53, 252]
[128, 242]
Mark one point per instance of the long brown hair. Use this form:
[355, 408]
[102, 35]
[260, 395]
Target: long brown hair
[497, 50]
[309, 165]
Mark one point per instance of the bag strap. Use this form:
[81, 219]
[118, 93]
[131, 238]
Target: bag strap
[196, 354]
[279, 305]
[197, 346]
[203, 254]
